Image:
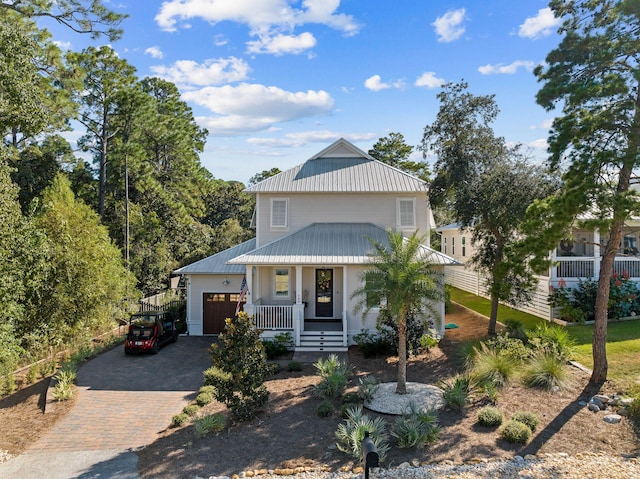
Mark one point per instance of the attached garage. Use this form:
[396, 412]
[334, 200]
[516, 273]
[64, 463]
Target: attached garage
[213, 289]
[216, 308]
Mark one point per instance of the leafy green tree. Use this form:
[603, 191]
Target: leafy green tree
[239, 368]
[263, 175]
[106, 75]
[393, 151]
[593, 75]
[487, 186]
[401, 277]
[92, 17]
[87, 283]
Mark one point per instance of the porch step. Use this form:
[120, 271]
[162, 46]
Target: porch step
[330, 341]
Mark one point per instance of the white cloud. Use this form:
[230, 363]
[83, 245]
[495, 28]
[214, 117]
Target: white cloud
[539, 144]
[544, 125]
[154, 51]
[449, 26]
[506, 69]
[280, 44]
[542, 25]
[252, 107]
[303, 138]
[429, 80]
[62, 45]
[278, 17]
[375, 83]
[211, 72]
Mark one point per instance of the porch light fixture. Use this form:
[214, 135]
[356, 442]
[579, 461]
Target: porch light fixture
[225, 281]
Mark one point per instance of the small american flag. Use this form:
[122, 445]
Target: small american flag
[243, 292]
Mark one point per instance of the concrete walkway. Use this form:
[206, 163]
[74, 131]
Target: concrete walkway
[123, 403]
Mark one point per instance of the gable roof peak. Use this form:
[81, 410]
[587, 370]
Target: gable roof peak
[341, 148]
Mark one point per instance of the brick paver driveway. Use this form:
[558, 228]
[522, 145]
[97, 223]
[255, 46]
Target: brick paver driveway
[124, 401]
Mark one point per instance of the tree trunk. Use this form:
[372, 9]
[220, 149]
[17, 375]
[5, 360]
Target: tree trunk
[493, 317]
[401, 386]
[495, 299]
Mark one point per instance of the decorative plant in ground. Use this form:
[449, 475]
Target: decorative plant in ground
[239, 368]
[351, 433]
[416, 428]
[334, 373]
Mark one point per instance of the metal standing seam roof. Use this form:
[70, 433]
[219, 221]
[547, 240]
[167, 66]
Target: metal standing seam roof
[341, 175]
[218, 263]
[328, 243]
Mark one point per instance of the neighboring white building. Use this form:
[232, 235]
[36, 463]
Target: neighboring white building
[573, 260]
[313, 225]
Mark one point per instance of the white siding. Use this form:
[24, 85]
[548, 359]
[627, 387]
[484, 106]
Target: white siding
[379, 209]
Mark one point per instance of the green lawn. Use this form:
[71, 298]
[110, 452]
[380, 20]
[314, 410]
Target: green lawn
[623, 339]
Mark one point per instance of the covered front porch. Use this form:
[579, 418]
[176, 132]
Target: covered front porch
[307, 301]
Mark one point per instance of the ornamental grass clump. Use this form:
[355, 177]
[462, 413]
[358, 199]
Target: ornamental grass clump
[546, 371]
[210, 423]
[63, 389]
[351, 433]
[494, 367]
[456, 391]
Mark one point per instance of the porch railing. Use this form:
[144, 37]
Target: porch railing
[576, 267]
[273, 317]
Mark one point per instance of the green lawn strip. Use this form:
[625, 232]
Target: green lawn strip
[623, 338]
[483, 306]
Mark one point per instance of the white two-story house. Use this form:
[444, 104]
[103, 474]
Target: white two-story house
[313, 225]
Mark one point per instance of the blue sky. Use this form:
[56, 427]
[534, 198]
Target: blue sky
[276, 81]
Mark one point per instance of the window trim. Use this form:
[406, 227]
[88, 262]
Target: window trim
[286, 212]
[399, 218]
[275, 283]
[464, 246]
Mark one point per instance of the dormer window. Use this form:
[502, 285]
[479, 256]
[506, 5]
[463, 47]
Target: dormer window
[406, 212]
[279, 212]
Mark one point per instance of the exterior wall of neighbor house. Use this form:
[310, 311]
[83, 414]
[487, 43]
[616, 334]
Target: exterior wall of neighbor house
[198, 284]
[304, 209]
[467, 279]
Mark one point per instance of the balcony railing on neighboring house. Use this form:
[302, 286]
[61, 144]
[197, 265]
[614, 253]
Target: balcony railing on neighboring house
[579, 267]
[273, 317]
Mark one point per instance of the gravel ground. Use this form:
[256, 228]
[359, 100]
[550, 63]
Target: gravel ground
[550, 466]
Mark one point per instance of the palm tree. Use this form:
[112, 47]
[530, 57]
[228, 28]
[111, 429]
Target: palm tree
[399, 276]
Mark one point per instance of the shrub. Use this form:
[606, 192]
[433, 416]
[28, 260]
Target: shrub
[494, 367]
[207, 389]
[279, 345]
[489, 416]
[239, 369]
[210, 423]
[331, 365]
[294, 366]
[203, 399]
[180, 420]
[529, 419]
[331, 386]
[388, 329]
[32, 374]
[367, 388]
[350, 398]
[448, 305]
[351, 433]
[415, 428]
[456, 391]
[429, 340]
[553, 339]
[324, 409]
[546, 371]
[373, 345]
[191, 410]
[63, 389]
[274, 368]
[515, 432]
[506, 345]
[515, 329]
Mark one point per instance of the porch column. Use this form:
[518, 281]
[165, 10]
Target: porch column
[298, 309]
[248, 306]
[596, 254]
[345, 305]
[554, 257]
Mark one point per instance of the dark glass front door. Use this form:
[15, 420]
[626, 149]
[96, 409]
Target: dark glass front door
[324, 293]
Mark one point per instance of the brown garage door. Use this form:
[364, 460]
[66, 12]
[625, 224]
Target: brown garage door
[218, 307]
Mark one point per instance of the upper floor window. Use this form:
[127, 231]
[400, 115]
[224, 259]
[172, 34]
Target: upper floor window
[444, 243]
[406, 213]
[282, 283]
[279, 212]
[464, 246]
[453, 246]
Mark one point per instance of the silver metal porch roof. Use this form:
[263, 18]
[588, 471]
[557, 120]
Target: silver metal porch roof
[218, 263]
[328, 243]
